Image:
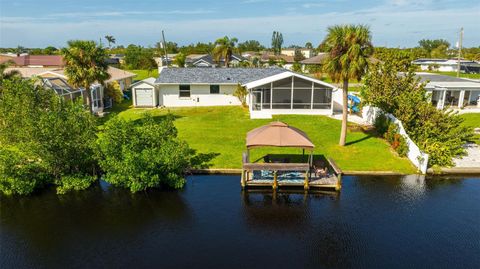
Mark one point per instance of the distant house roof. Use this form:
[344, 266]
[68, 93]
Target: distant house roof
[27, 72]
[38, 60]
[269, 55]
[208, 59]
[425, 61]
[322, 56]
[215, 75]
[442, 81]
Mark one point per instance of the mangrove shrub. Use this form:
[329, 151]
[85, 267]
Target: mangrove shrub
[143, 154]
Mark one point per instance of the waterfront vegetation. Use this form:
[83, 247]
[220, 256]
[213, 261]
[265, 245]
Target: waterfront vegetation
[439, 133]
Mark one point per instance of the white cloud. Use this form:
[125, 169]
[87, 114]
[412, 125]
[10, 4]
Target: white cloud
[390, 26]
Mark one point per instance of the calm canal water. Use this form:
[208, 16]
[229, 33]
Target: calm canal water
[376, 222]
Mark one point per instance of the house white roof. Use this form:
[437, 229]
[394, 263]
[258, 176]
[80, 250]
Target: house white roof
[448, 82]
[149, 81]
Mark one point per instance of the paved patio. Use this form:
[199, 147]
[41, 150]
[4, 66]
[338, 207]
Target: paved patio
[472, 159]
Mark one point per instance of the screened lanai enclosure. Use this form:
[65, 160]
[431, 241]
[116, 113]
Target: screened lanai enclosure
[69, 93]
[291, 93]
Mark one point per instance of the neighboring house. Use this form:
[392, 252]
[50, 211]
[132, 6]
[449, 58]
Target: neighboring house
[307, 53]
[50, 75]
[207, 60]
[270, 90]
[453, 92]
[37, 61]
[63, 89]
[287, 60]
[313, 62]
[448, 65]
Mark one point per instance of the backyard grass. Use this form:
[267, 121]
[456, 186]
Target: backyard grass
[143, 74]
[472, 120]
[221, 131]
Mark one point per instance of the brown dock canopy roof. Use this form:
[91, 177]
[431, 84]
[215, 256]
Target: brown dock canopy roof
[278, 134]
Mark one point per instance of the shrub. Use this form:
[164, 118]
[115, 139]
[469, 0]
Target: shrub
[143, 154]
[381, 124]
[113, 91]
[52, 137]
[402, 147]
[439, 133]
[391, 132]
[75, 182]
[19, 173]
[241, 93]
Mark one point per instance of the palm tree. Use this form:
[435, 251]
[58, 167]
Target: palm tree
[224, 48]
[110, 39]
[84, 65]
[349, 47]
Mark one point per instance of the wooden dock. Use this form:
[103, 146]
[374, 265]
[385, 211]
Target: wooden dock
[288, 175]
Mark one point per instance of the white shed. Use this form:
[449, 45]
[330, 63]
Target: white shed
[144, 93]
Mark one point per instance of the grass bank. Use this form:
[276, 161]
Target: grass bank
[221, 131]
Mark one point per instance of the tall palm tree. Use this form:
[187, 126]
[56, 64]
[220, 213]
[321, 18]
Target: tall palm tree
[349, 47]
[110, 39]
[224, 48]
[84, 65]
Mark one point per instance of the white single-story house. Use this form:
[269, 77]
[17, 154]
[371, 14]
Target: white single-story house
[447, 65]
[453, 92]
[270, 90]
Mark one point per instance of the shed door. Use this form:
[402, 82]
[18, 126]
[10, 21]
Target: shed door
[144, 97]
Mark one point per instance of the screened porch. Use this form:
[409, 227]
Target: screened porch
[292, 93]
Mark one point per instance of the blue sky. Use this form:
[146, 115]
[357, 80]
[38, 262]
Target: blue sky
[394, 23]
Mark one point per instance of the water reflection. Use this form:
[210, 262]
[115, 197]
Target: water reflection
[49, 223]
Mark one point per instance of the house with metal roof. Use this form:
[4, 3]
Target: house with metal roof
[270, 90]
[452, 92]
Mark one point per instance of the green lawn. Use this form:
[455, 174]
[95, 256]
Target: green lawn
[454, 74]
[222, 130]
[143, 74]
[472, 120]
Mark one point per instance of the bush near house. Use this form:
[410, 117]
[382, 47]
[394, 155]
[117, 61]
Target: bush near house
[44, 140]
[439, 133]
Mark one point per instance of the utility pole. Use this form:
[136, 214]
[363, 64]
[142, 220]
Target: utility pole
[165, 48]
[459, 51]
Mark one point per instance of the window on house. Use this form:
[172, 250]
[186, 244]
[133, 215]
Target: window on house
[184, 90]
[214, 89]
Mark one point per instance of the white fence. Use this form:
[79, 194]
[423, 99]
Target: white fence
[415, 155]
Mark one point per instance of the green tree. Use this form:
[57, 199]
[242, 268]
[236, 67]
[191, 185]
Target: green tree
[439, 133]
[224, 47]
[349, 47]
[309, 45]
[250, 45]
[180, 59]
[296, 67]
[110, 39]
[298, 56]
[4, 74]
[277, 42]
[430, 44]
[137, 57]
[49, 137]
[85, 64]
[143, 155]
[241, 93]
[114, 91]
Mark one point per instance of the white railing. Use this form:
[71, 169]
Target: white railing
[415, 155]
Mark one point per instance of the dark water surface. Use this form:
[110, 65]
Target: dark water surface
[376, 222]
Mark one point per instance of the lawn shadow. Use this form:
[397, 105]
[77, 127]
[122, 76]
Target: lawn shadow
[370, 131]
[203, 160]
[156, 118]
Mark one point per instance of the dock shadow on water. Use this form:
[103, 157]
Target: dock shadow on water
[375, 222]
